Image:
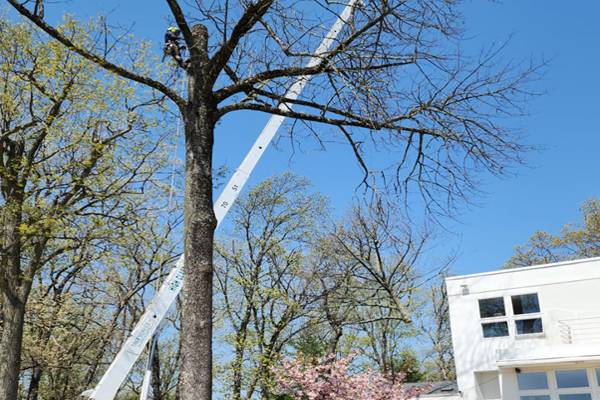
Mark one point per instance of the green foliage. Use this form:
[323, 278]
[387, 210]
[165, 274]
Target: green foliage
[310, 344]
[289, 284]
[574, 241]
[409, 365]
[264, 291]
[81, 151]
[284, 396]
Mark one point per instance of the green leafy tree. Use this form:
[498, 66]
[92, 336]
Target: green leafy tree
[394, 82]
[574, 241]
[80, 310]
[265, 294]
[74, 169]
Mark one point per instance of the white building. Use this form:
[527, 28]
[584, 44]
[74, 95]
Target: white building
[529, 333]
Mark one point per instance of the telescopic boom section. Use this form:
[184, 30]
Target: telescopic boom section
[121, 366]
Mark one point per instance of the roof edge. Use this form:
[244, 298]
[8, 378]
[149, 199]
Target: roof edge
[541, 266]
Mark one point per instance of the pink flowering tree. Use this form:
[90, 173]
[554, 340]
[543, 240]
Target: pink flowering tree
[329, 379]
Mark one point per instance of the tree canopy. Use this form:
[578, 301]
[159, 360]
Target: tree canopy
[80, 152]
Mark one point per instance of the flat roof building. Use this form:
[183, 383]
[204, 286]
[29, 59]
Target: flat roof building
[528, 333]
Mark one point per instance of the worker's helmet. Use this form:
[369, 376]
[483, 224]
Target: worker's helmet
[174, 30]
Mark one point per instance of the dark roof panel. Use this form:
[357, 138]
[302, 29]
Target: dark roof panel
[437, 388]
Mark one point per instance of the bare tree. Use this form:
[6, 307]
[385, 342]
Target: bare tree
[434, 323]
[373, 264]
[395, 81]
[381, 251]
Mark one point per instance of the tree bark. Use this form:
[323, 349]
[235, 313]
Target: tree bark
[34, 383]
[156, 377]
[15, 288]
[200, 223]
[12, 340]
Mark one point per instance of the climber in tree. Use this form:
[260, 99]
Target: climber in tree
[173, 47]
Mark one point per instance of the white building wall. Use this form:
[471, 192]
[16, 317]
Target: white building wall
[568, 292]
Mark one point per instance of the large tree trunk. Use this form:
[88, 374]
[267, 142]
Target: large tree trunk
[200, 224]
[13, 308]
[15, 290]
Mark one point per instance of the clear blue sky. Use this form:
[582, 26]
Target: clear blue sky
[564, 121]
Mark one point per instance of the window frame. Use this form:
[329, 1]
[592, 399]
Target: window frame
[510, 318]
[554, 392]
[526, 316]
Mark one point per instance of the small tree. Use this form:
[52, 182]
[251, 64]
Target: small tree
[328, 378]
[434, 323]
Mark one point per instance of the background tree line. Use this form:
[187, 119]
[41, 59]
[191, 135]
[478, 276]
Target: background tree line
[574, 240]
[292, 279]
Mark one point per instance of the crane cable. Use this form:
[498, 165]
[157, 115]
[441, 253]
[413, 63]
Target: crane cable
[178, 132]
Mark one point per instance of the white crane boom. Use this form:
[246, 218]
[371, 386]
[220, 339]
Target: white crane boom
[157, 309]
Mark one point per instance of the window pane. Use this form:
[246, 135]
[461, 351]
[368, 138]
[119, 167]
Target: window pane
[598, 376]
[495, 329]
[538, 397]
[491, 307]
[525, 326]
[572, 378]
[532, 380]
[578, 396]
[525, 304]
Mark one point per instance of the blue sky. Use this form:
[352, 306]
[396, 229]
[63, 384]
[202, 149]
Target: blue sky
[564, 121]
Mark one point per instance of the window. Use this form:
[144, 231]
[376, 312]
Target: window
[574, 384]
[575, 396]
[572, 378]
[495, 329]
[525, 326]
[532, 380]
[525, 304]
[491, 307]
[523, 317]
